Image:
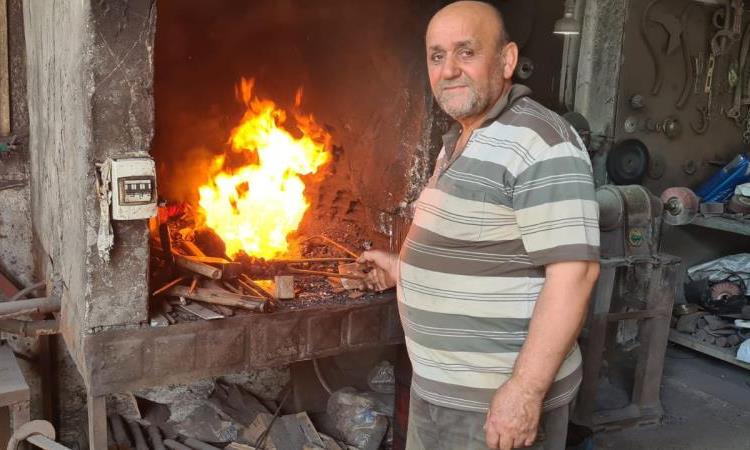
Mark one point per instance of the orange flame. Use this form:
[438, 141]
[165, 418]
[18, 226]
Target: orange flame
[254, 208]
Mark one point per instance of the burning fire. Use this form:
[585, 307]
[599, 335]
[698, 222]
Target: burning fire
[255, 207]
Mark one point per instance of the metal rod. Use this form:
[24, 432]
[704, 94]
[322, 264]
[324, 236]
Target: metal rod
[324, 274]
[335, 244]
[310, 260]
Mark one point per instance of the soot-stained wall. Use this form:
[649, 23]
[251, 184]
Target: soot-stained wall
[362, 68]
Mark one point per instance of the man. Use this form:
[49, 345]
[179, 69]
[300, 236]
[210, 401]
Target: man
[495, 274]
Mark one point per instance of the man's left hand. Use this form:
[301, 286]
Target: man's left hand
[513, 417]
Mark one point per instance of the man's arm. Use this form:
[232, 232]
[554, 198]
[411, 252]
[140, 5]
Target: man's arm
[559, 313]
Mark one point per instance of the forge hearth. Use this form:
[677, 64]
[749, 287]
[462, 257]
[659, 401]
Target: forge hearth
[134, 359]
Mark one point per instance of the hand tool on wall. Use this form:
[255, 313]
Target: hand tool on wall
[728, 21]
[734, 112]
[686, 60]
[746, 133]
[673, 27]
[658, 77]
[704, 121]
[698, 62]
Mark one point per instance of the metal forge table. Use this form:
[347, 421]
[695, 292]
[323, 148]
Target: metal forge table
[127, 360]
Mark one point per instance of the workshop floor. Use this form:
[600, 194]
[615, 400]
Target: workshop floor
[706, 403]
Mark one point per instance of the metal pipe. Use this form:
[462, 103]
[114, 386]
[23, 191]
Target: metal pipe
[43, 304]
[22, 293]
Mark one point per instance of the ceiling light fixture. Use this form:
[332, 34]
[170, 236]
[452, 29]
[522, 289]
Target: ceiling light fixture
[568, 25]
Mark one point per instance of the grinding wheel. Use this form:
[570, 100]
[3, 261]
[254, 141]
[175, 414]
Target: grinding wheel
[724, 290]
[680, 205]
[628, 162]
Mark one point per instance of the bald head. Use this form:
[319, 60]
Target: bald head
[469, 58]
[481, 15]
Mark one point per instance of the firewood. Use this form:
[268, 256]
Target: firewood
[220, 297]
[168, 285]
[229, 269]
[255, 286]
[208, 271]
[193, 284]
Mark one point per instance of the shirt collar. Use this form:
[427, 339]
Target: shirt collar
[515, 93]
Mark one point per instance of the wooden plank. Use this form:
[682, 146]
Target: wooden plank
[97, 414]
[13, 386]
[4, 72]
[711, 350]
[283, 287]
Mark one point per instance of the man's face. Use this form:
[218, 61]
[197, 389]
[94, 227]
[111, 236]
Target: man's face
[466, 66]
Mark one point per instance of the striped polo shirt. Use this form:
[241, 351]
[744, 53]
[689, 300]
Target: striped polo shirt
[518, 197]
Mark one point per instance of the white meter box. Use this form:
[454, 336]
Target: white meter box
[133, 188]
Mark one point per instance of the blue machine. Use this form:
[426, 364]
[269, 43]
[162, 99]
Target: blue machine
[720, 187]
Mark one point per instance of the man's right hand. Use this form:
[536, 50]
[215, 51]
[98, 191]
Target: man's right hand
[384, 273]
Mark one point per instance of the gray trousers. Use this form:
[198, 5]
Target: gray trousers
[433, 427]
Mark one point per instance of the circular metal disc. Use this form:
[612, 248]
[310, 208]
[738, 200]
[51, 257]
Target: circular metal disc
[627, 162]
[680, 205]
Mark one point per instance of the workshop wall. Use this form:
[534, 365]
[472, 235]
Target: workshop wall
[690, 157]
[16, 254]
[89, 79]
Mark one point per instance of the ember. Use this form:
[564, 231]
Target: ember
[255, 207]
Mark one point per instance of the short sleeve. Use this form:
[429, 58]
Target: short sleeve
[555, 205]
